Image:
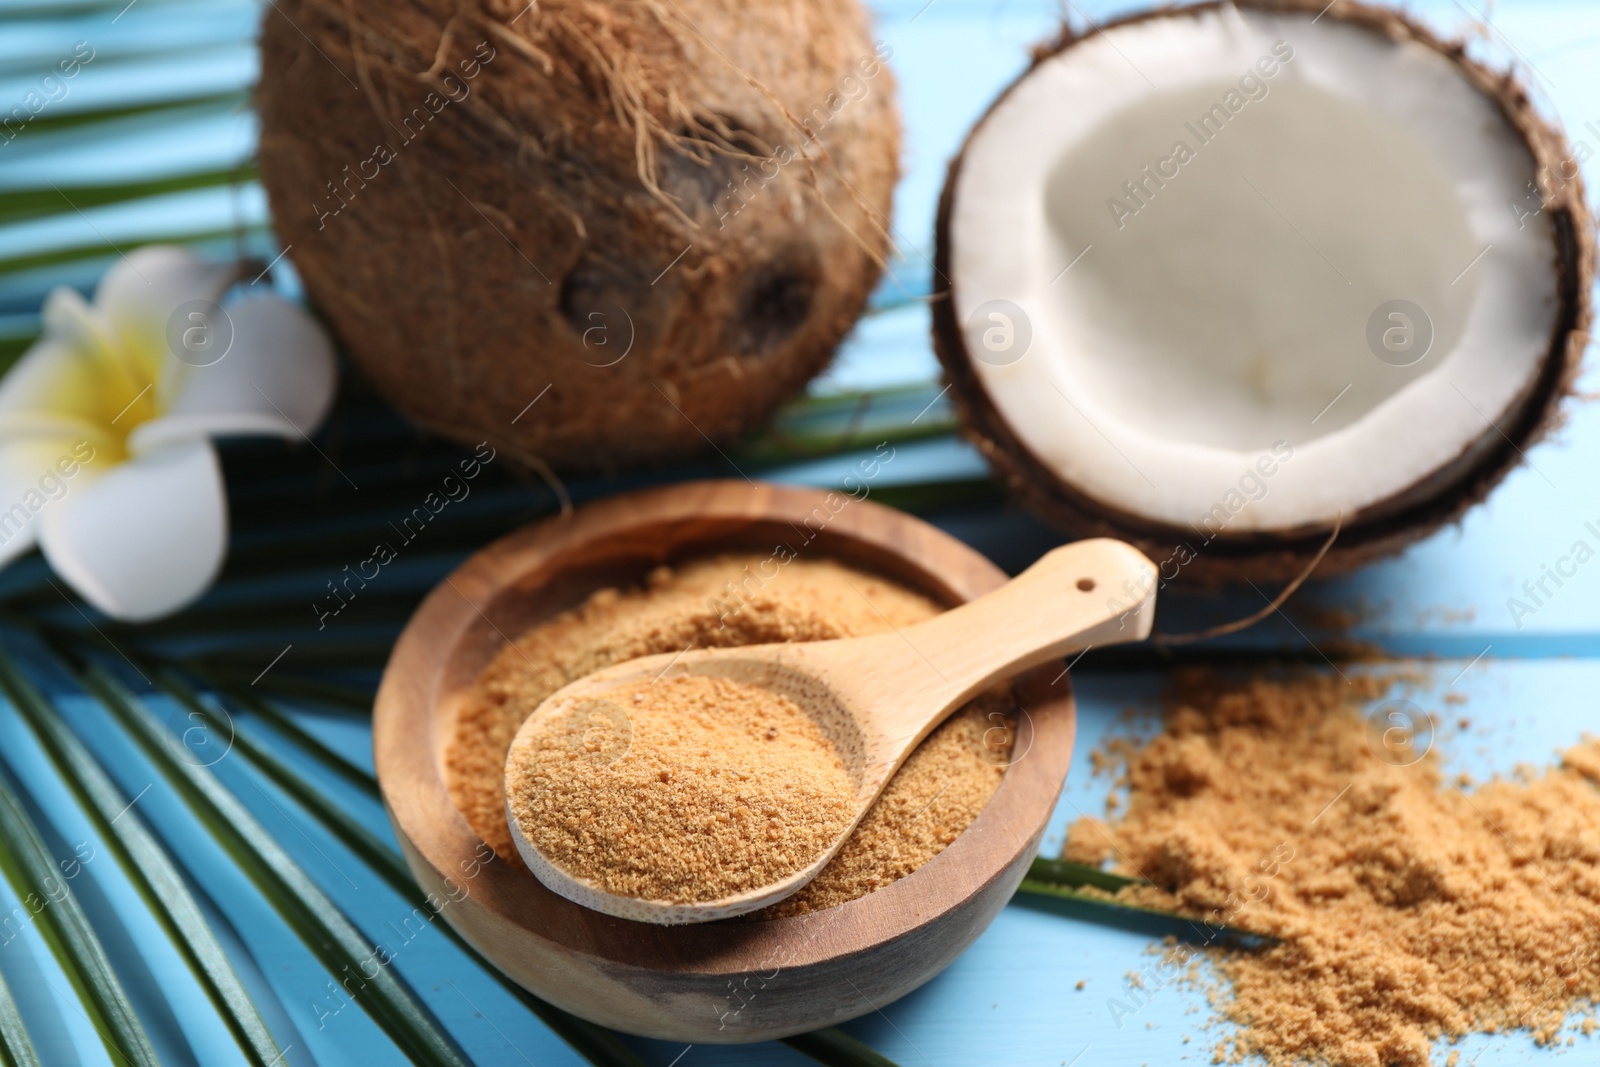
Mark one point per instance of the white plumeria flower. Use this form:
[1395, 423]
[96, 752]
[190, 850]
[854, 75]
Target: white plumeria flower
[105, 454]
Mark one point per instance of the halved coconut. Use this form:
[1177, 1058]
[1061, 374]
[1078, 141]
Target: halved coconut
[1221, 276]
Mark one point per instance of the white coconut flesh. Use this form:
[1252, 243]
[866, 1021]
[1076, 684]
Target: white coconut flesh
[1291, 178]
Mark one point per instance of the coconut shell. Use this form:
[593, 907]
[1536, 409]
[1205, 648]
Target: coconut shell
[650, 222]
[1386, 527]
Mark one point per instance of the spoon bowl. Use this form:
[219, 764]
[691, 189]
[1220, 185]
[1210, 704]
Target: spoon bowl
[875, 697]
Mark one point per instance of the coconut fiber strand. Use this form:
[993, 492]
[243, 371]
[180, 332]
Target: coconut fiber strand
[1411, 909]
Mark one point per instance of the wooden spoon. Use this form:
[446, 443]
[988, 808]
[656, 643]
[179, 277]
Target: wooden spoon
[877, 697]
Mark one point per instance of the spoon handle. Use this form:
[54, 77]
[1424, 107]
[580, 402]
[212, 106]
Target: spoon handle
[1095, 592]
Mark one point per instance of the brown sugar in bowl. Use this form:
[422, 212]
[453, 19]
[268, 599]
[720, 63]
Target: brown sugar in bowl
[721, 982]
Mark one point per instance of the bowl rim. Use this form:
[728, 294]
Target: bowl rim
[411, 721]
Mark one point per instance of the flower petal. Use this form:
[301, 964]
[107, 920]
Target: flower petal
[280, 365]
[140, 293]
[36, 472]
[61, 374]
[146, 538]
[172, 430]
[68, 317]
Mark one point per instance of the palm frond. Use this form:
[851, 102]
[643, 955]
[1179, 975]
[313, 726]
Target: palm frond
[18, 204]
[105, 116]
[146, 864]
[302, 738]
[332, 937]
[1089, 892]
[63, 255]
[1076, 875]
[836, 1048]
[16, 1048]
[49, 902]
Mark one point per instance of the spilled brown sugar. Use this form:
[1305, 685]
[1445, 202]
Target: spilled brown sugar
[718, 788]
[1409, 910]
[728, 601]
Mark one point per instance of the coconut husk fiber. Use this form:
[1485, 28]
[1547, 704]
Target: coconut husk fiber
[651, 221]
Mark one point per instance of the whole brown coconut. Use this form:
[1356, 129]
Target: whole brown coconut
[1387, 526]
[650, 221]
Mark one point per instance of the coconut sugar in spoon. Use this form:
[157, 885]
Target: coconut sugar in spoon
[877, 697]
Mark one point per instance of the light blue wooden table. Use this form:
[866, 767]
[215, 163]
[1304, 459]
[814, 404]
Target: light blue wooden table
[1012, 998]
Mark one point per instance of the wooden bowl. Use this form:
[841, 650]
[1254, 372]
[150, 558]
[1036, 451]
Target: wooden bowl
[719, 982]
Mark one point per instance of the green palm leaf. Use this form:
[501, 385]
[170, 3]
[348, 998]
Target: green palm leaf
[50, 122]
[32, 872]
[1065, 882]
[1076, 875]
[317, 691]
[147, 865]
[19, 204]
[837, 1049]
[315, 919]
[64, 255]
[302, 738]
[16, 1049]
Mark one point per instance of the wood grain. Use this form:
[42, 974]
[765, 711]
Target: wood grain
[721, 982]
